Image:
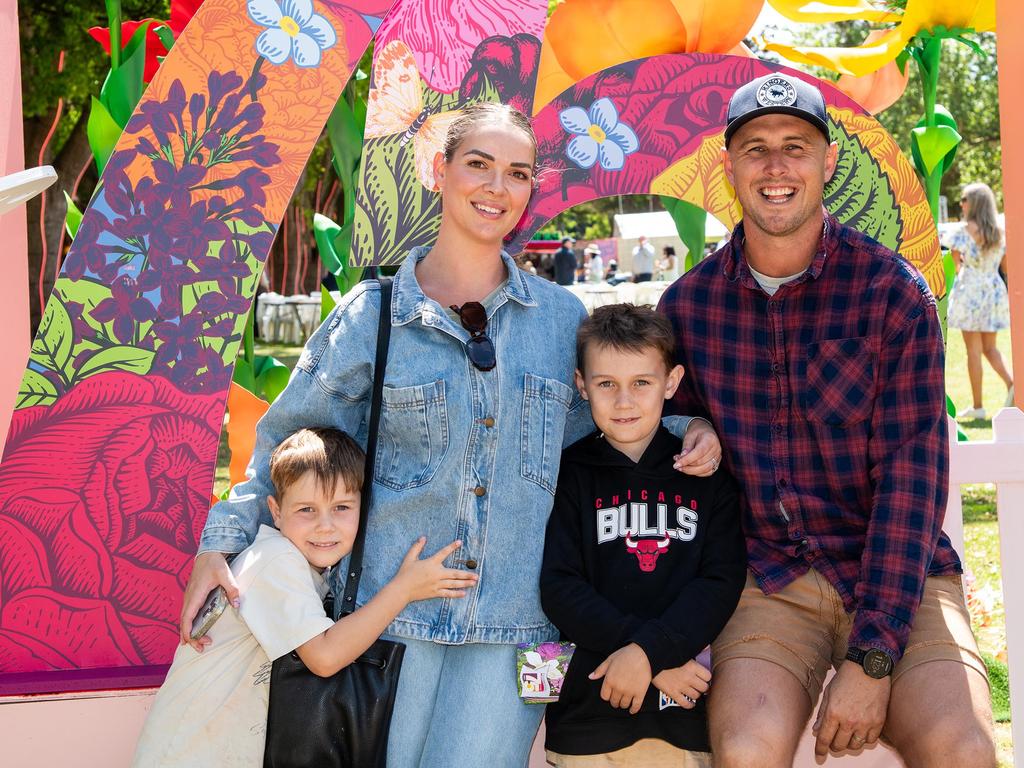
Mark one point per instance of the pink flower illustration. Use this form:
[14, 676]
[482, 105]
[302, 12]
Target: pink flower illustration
[93, 562]
[442, 34]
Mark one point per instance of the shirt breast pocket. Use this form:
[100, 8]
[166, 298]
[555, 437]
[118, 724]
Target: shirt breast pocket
[545, 405]
[840, 382]
[413, 437]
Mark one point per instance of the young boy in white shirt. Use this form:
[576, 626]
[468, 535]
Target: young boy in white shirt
[212, 708]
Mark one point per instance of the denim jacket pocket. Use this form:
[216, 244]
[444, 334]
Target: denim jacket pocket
[840, 381]
[545, 405]
[413, 437]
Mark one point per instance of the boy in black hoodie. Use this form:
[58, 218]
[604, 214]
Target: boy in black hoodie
[642, 565]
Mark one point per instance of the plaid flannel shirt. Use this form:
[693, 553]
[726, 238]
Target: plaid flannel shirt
[830, 400]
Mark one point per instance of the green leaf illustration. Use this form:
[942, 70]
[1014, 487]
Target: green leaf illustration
[243, 376]
[271, 377]
[346, 137]
[690, 223]
[934, 144]
[103, 133]
[943, 118]
[859, 193]
[166, 35]
[325, 230]
[35, 389]
[118, 358]
[74, 217]
[123, 87]
[52, 346]
[326, 303]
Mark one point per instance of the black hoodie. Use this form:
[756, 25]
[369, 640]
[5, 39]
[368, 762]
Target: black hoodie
[636, 553]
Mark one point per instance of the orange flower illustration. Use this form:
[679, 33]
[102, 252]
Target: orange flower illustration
[585, 36]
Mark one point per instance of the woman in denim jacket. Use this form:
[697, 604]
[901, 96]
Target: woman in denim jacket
[468, 449]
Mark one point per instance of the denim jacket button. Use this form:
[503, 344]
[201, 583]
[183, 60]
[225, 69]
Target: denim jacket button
[479, 490]
[489, 422]
[471, 564]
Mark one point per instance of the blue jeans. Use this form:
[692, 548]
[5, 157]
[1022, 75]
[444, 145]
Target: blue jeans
[458, 706]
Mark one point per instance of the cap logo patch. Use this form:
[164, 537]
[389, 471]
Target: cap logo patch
[776, 92]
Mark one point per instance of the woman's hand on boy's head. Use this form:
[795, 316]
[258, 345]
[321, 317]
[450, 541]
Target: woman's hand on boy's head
[702, 450]
[422, 579]
[209, 571]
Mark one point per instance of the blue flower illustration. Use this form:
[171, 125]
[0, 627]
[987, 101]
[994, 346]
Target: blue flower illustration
[599, 136]
[293, 30]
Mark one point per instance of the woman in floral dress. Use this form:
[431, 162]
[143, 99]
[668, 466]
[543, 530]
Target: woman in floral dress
[978, 303]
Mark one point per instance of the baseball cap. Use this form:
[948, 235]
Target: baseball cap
[776, 94]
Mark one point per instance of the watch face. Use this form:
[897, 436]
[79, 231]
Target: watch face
[877, 664]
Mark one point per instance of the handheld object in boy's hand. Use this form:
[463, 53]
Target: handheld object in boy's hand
[540, 670]
[214, 606]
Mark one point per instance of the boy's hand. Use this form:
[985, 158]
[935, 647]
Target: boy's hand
[685, 684]
[702, 450]
[209, 571]
[627, 677]
[426, 578]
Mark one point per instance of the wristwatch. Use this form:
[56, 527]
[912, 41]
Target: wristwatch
[876, 663]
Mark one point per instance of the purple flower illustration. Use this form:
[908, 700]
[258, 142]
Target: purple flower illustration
[125, 308]
[293, 31]
[598, 136]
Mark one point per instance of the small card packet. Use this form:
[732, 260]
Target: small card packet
[540, 670]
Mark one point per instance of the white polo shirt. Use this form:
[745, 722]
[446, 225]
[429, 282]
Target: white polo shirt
[212, 708]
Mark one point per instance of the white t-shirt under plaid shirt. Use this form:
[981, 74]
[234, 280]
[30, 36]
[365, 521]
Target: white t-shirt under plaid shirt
[212, 708]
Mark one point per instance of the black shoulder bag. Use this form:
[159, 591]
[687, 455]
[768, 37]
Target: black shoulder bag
[342, 720]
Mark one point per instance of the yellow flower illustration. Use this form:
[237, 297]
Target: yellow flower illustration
[939, 18]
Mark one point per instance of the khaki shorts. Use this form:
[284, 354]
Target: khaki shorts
[646, 753]
[804, 629]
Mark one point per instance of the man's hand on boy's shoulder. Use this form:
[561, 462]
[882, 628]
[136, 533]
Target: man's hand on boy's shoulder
[702, 450]
[627, 677]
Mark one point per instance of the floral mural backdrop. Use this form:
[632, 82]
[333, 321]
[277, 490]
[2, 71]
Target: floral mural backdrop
[106, 474]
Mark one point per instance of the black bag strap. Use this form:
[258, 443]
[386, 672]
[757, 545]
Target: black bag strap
[355, 561]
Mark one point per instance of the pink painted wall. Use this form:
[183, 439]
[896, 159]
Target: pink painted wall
[1010, 15]
[14, 325]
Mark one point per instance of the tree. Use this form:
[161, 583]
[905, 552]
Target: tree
[56, 98]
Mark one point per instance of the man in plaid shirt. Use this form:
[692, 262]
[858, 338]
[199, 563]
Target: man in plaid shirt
[817, 354]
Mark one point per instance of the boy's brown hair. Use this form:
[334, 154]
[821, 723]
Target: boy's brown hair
[328, 453]
[627, 328]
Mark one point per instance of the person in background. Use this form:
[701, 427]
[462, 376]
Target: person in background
[594, 263]
[669, 264]
[643, 261]
[978, 303]
[565, 263]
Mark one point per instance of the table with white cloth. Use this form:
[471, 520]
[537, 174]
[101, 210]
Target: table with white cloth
[594, 295]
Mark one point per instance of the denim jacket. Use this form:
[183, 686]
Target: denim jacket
[461, 453]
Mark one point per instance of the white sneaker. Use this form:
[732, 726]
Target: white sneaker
[972, 414]
[1009, 398]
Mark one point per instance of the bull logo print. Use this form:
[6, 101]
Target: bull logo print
[647, 551]
[776, 92]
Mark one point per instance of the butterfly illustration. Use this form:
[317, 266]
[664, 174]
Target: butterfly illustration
[396, 106]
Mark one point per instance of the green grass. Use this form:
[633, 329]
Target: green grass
[958, 386]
